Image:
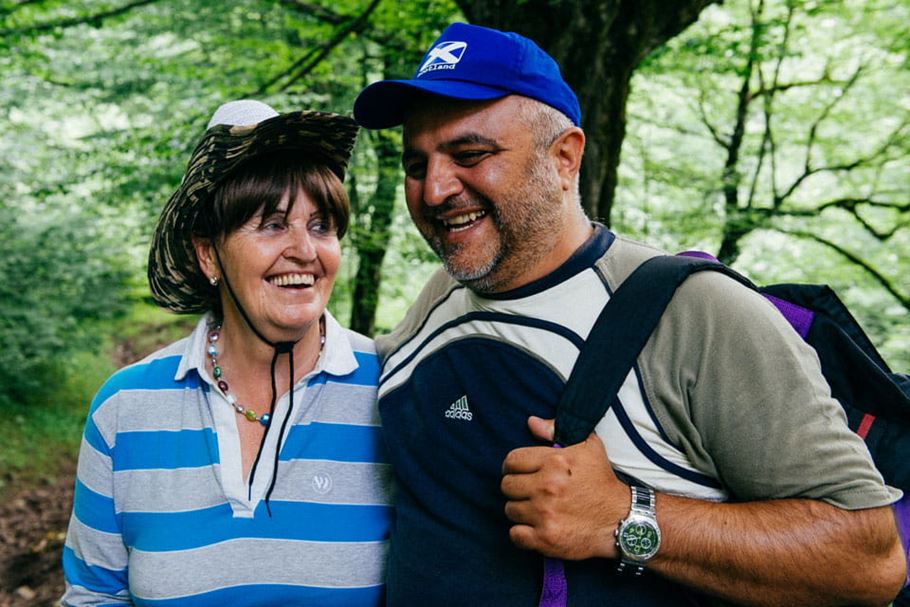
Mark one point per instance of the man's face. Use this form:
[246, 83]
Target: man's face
[484, 198]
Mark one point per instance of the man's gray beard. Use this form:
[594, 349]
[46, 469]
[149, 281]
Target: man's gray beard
[480, 279]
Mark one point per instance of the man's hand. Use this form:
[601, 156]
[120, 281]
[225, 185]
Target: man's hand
[564, 502]
[567, 503]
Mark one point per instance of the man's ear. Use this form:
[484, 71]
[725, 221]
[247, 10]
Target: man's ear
[568, 150]
[205, 256]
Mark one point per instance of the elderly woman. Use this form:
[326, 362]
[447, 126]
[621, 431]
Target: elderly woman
[241, 465]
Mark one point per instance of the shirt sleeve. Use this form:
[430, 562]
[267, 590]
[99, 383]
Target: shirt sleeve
[94, 555]
[753, 404]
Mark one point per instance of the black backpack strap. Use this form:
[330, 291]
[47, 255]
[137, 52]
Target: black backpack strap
[617, 338]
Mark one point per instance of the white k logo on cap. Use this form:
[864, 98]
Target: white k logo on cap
[443, 56]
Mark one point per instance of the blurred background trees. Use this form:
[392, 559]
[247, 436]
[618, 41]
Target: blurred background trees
[772, 133]
[775, 135]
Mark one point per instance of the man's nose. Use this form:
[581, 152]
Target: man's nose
[441, 182]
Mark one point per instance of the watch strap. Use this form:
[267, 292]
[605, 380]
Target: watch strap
[628, 566]
[643, 499]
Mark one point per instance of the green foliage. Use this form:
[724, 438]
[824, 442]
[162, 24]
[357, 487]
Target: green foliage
[45, 436]
[59, 276]
[823, 156]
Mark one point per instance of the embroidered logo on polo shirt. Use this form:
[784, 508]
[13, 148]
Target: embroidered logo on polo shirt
[444, 56]
[322, 483]
[460, 410]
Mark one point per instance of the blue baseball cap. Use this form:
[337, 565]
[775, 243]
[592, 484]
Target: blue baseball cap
[473, 63]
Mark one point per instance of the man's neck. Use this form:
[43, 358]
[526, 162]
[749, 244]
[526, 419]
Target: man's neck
[564, 244]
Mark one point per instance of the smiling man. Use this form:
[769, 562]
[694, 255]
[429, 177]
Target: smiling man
[745, 482]
[488, 245]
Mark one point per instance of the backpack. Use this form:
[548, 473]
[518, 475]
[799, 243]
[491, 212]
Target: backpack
[875, 399]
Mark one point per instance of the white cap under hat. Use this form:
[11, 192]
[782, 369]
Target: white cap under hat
[242, 112]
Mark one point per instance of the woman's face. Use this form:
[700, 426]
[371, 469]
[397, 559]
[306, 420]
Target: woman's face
[281, 267]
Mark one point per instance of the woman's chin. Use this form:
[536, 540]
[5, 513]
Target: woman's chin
[277, 320]
[295, 328]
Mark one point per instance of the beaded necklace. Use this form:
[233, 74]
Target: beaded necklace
[212, 350]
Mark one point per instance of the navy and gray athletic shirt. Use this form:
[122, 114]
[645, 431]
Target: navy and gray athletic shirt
[455, 397]
[725, 403]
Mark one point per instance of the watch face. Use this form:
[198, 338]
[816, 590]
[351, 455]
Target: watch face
[639, 539]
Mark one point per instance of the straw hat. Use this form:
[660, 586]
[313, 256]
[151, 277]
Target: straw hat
[238, 132]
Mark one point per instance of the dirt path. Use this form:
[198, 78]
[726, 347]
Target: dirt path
[32, 527]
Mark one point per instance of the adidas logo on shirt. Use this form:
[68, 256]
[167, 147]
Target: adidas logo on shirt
[459, 410]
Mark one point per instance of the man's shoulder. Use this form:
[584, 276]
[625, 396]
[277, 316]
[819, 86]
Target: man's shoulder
[621, 259]
[626, 254]
[439, 287]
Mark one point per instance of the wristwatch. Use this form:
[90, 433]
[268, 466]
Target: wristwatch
[638, 536]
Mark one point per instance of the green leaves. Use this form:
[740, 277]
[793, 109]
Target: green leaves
[59, 276]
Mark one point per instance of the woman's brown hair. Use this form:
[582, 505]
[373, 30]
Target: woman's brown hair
[258, 187]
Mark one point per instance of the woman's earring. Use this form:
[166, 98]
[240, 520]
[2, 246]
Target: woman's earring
[214, 281]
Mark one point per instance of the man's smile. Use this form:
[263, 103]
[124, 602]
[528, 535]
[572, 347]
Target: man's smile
[462, 221]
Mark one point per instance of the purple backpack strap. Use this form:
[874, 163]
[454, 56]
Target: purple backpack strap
[555, 590]
[902, 514]
[800, 318]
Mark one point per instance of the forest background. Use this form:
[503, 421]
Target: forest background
[771, 133]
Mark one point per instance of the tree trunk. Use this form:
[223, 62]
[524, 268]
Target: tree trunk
[598, 44]
[375, 219]
[735, 229]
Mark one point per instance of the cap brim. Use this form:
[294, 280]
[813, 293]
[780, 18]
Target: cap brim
[384, 104]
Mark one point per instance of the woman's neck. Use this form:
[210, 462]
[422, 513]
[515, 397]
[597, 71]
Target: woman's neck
[247, 359]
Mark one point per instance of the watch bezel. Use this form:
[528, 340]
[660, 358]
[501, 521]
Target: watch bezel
[637, 518]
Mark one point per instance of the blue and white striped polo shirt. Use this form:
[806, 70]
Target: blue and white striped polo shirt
[163, 516]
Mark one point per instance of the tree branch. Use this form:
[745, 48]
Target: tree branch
[857, 260]
[356, 25]
[813, 131]
[766, 141]
[704, 119]
[768, 100]
[731, 175]
[879, 235]
[327, 15]
[271, 82]
[852, 206]
[781, 88]
[308, 62]
[808, 171]
[768, 145]
[852, 203]
[314, 10]
[677, 128]
[94, 18]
